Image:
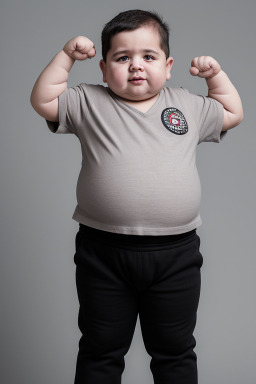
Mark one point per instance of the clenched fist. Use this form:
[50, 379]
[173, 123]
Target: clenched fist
[204, 66]
[80, 48]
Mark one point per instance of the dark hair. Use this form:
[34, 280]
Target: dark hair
[131, 20]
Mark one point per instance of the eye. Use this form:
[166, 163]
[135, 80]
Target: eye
[149, 58]
[123, 58]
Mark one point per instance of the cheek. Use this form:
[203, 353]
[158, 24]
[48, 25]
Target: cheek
[157, 78]
[159, 75]
[117, 76]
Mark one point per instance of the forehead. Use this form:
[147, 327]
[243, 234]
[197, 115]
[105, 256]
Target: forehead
[143, 37]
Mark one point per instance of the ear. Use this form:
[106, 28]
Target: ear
[169, 64]
[103, 69]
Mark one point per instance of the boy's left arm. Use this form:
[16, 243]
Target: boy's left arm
[219, 88]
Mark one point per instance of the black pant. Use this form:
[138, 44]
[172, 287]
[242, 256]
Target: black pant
[120, 276]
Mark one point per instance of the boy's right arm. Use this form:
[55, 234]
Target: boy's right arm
[53, 80]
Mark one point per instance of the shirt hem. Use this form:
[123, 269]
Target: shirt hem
[142, 231]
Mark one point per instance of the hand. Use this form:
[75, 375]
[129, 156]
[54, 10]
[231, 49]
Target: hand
[204, 66]
[80, 48]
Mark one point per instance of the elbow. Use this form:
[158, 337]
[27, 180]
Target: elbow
[241, 117]
[36, 106]
[237, 120]
[241, 114]
[33, 101]
[232, 120]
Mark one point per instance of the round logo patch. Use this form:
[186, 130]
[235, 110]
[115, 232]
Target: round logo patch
[174, 121]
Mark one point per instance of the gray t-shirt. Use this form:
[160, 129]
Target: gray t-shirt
[138, 173]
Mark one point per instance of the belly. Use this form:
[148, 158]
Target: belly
[136, 195]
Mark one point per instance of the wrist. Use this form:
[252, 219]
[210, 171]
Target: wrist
[66, 56]
[215, 75]
[216, 80]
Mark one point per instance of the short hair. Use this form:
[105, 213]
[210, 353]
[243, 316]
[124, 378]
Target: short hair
[131, 20]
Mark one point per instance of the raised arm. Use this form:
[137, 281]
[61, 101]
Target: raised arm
[53, 80]
[219, 88]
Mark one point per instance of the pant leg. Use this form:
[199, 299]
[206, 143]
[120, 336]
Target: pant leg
[107, 314]
[167, 311]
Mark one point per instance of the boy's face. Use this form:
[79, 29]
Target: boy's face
[136, 67]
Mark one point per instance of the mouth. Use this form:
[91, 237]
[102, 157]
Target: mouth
[137, 80]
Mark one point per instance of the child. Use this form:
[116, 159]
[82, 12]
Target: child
[138, 192]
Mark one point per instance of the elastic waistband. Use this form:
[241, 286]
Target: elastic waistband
[137, 240]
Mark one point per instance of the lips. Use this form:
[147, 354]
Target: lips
[136, 78]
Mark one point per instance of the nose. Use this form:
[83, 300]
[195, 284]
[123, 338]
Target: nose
[136, 66]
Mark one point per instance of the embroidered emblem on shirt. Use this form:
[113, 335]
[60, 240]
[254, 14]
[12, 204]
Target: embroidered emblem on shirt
[174, 121]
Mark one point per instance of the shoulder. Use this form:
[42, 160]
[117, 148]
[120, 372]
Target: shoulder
[179, 94]
[176, 92]
[92, 88]
[84, 93]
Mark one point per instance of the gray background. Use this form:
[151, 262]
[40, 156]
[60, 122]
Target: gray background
[39, 170]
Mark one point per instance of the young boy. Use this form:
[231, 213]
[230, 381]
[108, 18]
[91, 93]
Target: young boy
[138, 192]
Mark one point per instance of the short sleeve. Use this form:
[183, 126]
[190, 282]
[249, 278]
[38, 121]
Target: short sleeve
[72, 108]
[208, 114]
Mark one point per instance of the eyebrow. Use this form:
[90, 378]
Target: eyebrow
[125, 51]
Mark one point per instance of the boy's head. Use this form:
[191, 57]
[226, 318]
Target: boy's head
[131, 20]
[135, 49]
